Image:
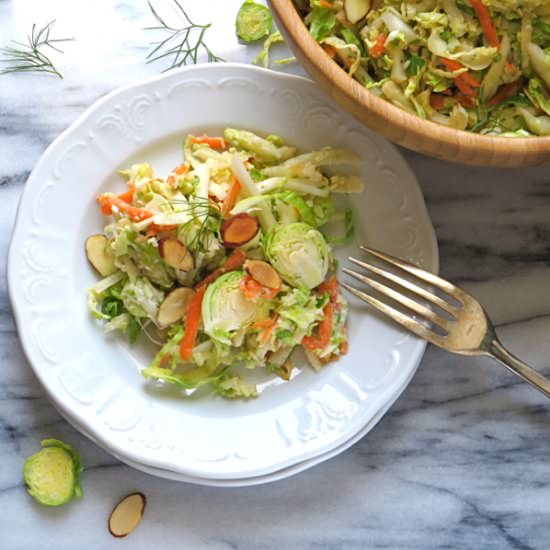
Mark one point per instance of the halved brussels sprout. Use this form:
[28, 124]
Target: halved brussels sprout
[299, 253]
[254, 21]
[225, 310]
[51, 475]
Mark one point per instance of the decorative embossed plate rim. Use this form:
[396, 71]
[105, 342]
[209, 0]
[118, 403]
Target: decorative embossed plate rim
[93, 380]
[266, 478]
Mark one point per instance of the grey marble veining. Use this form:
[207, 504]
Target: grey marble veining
[460, 461]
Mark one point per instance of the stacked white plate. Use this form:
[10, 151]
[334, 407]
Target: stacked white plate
[94, 380]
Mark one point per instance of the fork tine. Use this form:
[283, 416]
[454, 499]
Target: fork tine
[404, 320]
[418, 290]
[399, 298]
[422, 274]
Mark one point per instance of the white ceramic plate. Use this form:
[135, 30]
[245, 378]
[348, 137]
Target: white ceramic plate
[261, 479]
[95, 380]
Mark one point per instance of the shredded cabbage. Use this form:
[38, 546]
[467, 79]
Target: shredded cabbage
[446, 61]
[184, 241]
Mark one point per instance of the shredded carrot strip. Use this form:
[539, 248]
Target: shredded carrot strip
[214, 142]
[181, 169]
[159, 227]
[503, 93]
[178, 171]
[264, 323]
[437, 101]
[379, 47]
[325, 4]
[451, 64]
[252, 289]
[486, 22]
[109, 202]
[325, 326]
[465, 100]
[330, 286]
[155, 229]
[466, 77]
[470, 80]
[128, 196]
[510, 67]
[231, 198]
[192, 323]
[267, 326]
[465, 88]
[163, 360]
[324, 330]
[349, 61]
[329, 50]
[465, 82]
[269, 330]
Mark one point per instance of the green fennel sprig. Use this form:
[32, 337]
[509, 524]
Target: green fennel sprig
[29, 57]
[183, 45]
[210, 220]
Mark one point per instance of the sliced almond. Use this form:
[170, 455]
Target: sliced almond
[239, 229]
[263, 273]
[99, 255]
[176, 254]
[356, 9]
[126, 515]
[174, 307]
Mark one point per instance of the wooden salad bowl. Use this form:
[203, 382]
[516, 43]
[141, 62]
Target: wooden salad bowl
[395, 124]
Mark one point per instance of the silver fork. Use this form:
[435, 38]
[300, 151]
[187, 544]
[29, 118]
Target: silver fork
[466, 329]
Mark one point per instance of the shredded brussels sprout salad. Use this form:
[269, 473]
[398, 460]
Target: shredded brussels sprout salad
[226, 264]
[477, 65]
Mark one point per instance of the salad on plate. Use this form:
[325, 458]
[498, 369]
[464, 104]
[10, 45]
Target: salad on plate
[227, 262]
[476, 65]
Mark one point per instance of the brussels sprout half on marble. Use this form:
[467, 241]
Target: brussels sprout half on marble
[254, 21]
[51, 475]
[299, 253]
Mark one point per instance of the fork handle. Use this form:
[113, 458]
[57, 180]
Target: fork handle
[537, 380]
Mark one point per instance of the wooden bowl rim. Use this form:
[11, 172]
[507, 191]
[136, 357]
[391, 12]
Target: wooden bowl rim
[466, 141]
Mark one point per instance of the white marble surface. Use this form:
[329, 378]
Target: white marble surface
[460, 461]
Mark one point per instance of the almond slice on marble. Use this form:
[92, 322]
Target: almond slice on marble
[99, 255]
[176, 254]
[174, 307]
[126, 515]
[239, 229]
[356, 9]
[263, 273]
